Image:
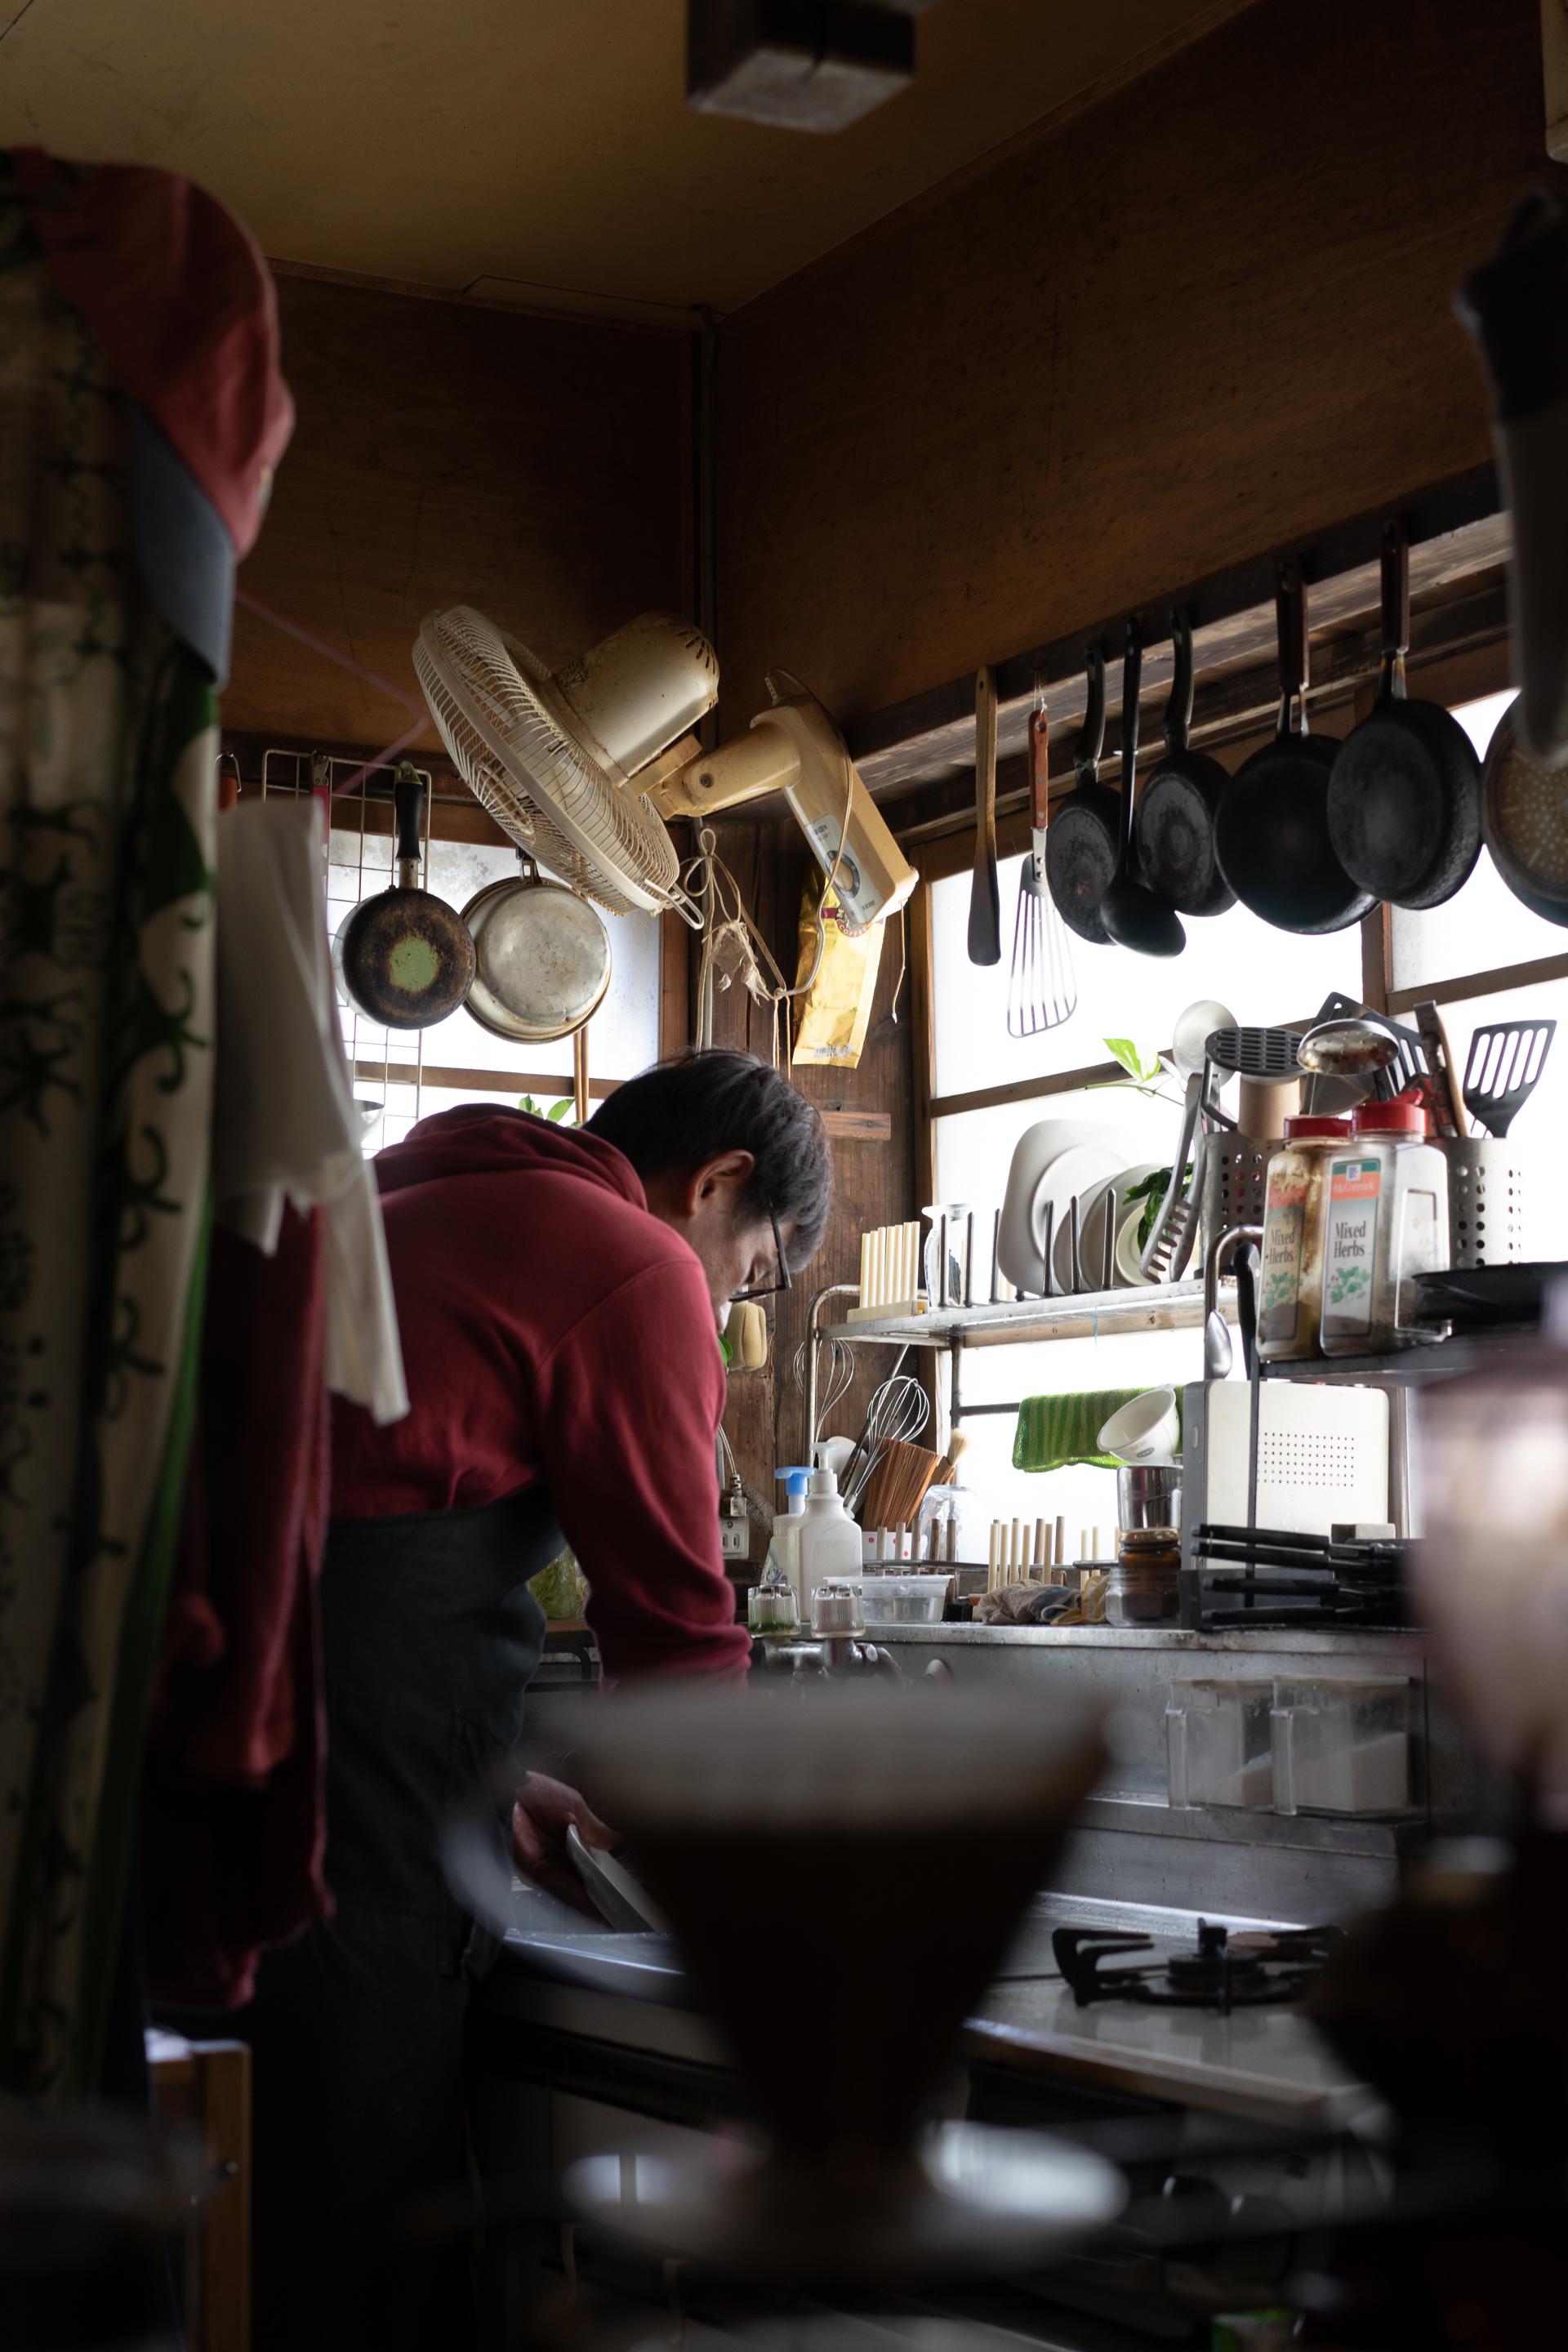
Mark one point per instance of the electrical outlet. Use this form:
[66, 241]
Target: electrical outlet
[733, 1539]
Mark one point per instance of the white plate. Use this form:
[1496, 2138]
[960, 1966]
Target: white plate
[1091, 1214]
[1129, 1176]
[1035, 1153]
[1081, 1169]
[1130, 1274]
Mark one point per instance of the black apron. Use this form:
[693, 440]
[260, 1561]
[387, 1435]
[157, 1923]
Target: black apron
[430, 1639]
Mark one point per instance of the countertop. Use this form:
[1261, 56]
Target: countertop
[1265, 2063]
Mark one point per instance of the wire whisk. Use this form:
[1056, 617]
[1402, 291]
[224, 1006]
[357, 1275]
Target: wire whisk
[896, 1415]
[835, 1377]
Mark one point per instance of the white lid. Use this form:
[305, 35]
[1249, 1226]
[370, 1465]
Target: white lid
[824, 1482]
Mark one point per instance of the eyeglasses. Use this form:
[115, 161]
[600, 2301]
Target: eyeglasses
[782, 1280]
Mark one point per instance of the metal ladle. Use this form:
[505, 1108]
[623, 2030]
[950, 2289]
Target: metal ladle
[1347, 1049]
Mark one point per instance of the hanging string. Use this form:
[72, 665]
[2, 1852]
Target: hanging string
[903, 966]
[726, 923]
[416, 711]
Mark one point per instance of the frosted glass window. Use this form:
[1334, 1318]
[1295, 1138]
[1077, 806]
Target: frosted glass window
[1264, 977]
[390, 1065]
[1483, 927]
[975, 1149]
[1086, 1499]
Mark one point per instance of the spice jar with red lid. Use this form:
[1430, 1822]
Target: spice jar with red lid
[1294, 1214]
[1387, 1222]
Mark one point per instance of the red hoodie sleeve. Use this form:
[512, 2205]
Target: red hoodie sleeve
[630, 1403]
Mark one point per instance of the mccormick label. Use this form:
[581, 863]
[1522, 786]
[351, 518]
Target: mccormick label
[1284, 1226]
[1350, 1242]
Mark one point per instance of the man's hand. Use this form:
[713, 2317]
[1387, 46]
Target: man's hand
[544, 1812]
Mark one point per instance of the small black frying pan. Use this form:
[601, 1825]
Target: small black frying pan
[1172, 829]
[1404, 793]
[1272, 835]
[1083, 845]
[404, 957]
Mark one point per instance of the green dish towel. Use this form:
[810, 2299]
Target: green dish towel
[1054, 1431]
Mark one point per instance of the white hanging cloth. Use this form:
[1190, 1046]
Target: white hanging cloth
[285, 1126]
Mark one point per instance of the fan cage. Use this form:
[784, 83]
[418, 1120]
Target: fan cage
[486, 694]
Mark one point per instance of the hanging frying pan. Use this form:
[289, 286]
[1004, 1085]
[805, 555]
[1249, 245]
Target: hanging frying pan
[1272, 835]
[1133, 917]
[1404, 793]
[404, 958]
[1083, 845]
[542, 955]
[1172, 830]
[1524, 816]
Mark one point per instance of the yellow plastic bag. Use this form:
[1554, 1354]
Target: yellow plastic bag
[832, 1017]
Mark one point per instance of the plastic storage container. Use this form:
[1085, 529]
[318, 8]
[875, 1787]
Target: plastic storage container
[904, 1600]
[1294, 1215]
[1341, 1745]
[1387, 1222]
[1218, 1747]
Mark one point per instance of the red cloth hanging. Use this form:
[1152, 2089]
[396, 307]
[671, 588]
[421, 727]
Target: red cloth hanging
[233, 1825]
[181, 298]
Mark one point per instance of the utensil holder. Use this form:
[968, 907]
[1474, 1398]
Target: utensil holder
[1487, 1180]
[1233, 1183]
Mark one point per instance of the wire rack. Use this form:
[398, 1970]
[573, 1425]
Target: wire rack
[387, 1065]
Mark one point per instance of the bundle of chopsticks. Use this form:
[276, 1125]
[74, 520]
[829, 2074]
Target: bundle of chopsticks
[898, 1480]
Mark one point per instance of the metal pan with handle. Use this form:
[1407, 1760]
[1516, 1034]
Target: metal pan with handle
[1173, 827]
[1524, 817]
[1272, 832]
[404, 958]
[1082, 847]
[1404, 792]
[542, 955]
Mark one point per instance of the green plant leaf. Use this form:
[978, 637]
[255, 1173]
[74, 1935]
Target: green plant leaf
[1122, 1050]
[560, 1109]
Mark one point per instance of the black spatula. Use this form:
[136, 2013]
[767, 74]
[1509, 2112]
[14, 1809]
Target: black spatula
[1506, 1060]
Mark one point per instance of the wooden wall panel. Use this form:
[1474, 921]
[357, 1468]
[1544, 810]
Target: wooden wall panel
[1206, 316]
[447, 454]
[873, 1176]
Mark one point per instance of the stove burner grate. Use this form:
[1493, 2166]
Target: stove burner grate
[1225, 1971]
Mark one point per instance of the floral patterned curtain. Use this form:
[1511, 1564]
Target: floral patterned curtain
[107, 748]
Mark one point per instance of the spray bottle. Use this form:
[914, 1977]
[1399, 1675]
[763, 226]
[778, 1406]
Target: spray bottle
[784, 1550]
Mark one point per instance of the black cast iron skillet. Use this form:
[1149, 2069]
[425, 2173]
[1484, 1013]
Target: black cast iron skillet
[1173, 829]
[1404, 793]
[1272, 835]
[1133, 917]
[1082, 845]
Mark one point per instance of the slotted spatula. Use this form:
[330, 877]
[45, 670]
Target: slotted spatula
[1506, 1059]
[1042, 990]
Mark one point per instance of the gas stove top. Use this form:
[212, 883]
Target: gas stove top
[1225, 1969]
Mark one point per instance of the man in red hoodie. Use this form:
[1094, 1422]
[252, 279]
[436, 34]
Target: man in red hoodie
[559, 1295]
